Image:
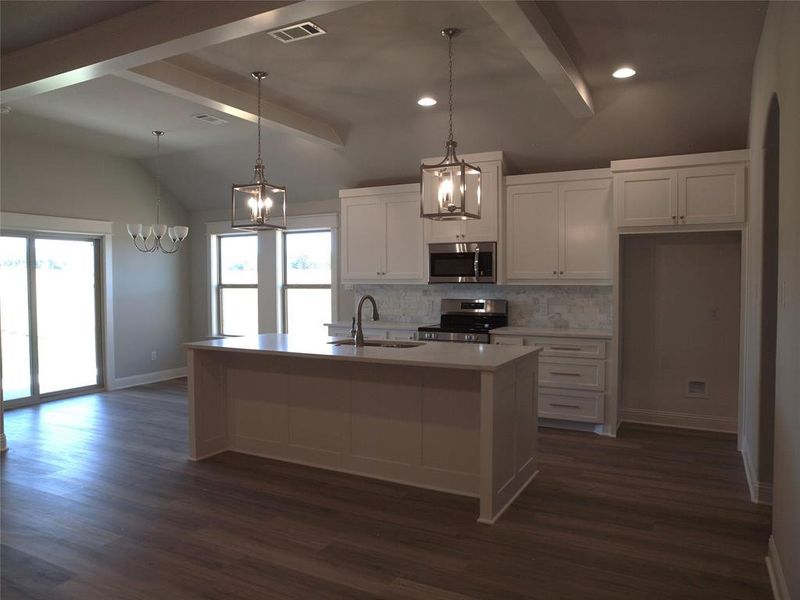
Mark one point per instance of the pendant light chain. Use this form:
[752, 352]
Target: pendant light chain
[158, 135]
[258, 160]
[450, 60]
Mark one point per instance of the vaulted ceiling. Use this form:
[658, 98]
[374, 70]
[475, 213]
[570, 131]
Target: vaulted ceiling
[342, 106]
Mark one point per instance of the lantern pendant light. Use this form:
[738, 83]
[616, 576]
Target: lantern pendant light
[154, 237]
[451, 189]
[258, 205]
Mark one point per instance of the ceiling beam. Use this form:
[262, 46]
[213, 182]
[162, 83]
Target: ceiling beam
[149, 34]
[177, 81]
[529, 30]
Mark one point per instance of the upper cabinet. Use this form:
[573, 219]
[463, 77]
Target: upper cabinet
[485, 229]
[696, 189]
[381, 235]
[558, 227]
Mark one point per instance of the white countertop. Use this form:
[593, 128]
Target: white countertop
[473, 357]
[568, 333]
[381, 325]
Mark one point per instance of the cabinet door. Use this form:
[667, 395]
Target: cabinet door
[447, 232]
[532, 231]
[713, 194]
[362, 239]
[644, 198]
[485, 228]
[584, 223]
[403, 243]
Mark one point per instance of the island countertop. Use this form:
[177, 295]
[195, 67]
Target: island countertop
[473, 357]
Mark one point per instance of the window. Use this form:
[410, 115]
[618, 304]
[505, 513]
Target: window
[307, 276]
[237, 287]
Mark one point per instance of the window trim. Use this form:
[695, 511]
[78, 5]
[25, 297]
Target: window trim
[285, 287]
[222, 286]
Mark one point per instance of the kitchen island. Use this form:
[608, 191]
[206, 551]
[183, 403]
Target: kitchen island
[459, 418]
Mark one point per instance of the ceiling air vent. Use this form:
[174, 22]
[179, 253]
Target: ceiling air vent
[209, 119]
[300, 31]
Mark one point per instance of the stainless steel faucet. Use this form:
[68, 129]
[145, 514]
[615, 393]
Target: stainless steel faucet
[359, 332]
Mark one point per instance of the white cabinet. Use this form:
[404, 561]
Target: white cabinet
[700, 189]
[711, 194]
[486, 228]
[381, 235]
[572, 376]
[558, 230]
[645, 198]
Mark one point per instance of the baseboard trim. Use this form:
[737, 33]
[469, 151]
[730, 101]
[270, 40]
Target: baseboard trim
[760, 493]
[780, 590]
[676, 419]
[145, 378]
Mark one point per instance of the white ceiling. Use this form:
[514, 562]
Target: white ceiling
[691, 95]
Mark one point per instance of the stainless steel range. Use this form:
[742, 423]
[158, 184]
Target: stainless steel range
[467, 321]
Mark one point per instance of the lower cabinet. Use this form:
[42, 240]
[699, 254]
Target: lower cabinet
[572, 376]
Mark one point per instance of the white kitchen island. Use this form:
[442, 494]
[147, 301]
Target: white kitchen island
[459, 418]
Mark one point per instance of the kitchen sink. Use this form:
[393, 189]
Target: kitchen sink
[379, 343]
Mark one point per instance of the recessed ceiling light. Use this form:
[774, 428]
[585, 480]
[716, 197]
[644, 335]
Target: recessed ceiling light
[624, 73]
[426, 101]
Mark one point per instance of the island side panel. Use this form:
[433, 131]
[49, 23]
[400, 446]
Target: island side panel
[413, 425]
[208, 419]
[508, 435]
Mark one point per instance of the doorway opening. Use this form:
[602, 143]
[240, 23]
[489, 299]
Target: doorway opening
[680, 329]
[50, 316]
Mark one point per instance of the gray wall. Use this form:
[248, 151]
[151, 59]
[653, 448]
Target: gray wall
[777, 71]
[150, 291]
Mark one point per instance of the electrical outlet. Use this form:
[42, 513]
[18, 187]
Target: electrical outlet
[153, 355]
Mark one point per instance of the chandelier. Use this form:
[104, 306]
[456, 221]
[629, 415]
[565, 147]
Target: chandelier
[258, 205]
[451, 189]
[153, 237]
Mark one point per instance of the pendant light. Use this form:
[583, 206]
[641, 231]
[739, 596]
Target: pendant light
[258, 205]
[451, 189]
[154, 236]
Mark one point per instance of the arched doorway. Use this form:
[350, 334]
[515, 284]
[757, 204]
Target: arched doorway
[769, 298]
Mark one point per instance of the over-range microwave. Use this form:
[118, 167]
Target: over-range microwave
[462, 262]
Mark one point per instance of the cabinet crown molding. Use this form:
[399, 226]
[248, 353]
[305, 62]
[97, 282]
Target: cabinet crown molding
[681, 160]
[582, 175]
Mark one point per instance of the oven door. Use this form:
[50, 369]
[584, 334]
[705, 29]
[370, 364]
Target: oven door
[474, 262]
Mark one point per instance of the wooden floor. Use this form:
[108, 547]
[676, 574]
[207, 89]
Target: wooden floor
[99, 501]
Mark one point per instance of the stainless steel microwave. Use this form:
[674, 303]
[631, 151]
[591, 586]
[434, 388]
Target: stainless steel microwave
[463, 262]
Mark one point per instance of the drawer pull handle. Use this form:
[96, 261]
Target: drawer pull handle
[565, 374]
[564, 405]
[566, 348]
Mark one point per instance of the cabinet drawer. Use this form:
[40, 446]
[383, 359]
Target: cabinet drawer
[571, 405]
[507, 340]
[577, 348]
[401, 334]
[573, 373]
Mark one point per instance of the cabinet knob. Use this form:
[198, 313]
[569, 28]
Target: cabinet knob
[674, 217]
[561, 272]
[683, 217]
[555, 272]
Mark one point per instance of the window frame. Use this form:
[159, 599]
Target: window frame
[285, 287]
[221, 286]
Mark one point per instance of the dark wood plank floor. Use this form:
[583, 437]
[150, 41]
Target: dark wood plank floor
[99, 501]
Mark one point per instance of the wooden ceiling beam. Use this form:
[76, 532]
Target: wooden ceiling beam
[146, 35]
[531, 33]
[177, 81]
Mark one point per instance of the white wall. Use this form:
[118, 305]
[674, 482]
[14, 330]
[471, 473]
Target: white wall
[200, 265]
[150, 291]
[777, 71]
[681, 322]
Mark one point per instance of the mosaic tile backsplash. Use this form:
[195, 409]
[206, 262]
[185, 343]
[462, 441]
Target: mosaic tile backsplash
[562, 307]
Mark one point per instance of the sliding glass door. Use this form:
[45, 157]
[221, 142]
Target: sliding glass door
[49, 316]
